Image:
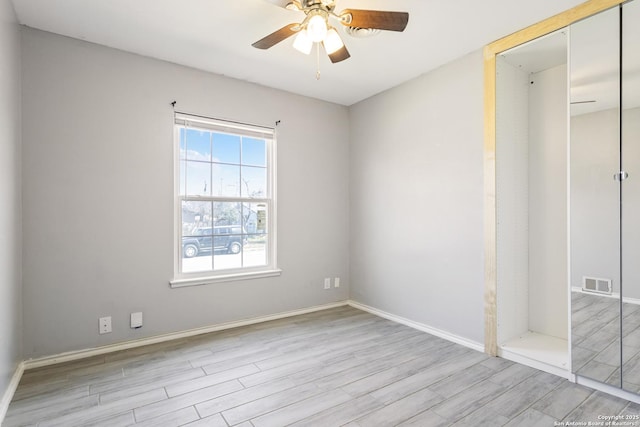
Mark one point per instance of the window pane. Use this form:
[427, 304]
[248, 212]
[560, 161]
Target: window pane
[198, 145]
[225, 261]
[228, 249]
[226, 148]
[226, 180]
[254, 152]
[254, 218]
[200, 262]
[254, 182]
[255, 221]
[226, 214]
[197, 236]
[255, 250]
[196, 216]
[198, 176]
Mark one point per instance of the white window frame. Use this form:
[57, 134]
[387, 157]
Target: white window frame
[212, 276]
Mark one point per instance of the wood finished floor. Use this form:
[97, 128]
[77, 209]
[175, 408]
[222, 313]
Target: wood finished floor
[339, 367]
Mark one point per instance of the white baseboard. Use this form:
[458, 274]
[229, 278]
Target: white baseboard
[82, 354]
[10, 391]
[420, 326]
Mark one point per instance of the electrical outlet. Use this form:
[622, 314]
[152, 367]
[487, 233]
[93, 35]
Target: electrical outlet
[336, 282]
[327, 282]
[105, 325]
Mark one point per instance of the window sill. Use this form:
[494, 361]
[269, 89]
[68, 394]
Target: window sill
[197, 281]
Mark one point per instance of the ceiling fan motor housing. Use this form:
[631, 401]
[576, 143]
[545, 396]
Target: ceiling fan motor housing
[328, 4]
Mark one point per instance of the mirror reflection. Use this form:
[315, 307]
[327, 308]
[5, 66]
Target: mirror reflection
[631, 197]
[595, 195]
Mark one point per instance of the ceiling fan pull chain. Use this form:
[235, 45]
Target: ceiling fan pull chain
[317, 61]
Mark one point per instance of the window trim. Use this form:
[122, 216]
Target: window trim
[207, 280]
[271, 269]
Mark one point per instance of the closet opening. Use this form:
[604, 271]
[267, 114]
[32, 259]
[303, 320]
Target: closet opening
[531, 203]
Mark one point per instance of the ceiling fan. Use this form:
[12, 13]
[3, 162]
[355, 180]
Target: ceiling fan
[316, 26]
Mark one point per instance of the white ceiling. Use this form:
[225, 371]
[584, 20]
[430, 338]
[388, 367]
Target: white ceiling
[216, 36]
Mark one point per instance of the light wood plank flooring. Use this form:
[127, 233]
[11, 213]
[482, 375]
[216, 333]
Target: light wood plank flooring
[339, 367]
[596, 339]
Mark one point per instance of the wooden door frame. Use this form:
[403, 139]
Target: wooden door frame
[542, 28]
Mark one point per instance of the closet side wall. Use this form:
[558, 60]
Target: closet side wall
[512, 203]
[548, 202]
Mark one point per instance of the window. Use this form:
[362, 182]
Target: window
[225, 204]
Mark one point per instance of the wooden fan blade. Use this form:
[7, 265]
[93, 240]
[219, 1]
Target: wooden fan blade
[339, 55]
[277, 36]
[377, 19]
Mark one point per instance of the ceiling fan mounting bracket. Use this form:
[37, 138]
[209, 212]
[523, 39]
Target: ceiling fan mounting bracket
[324, 4]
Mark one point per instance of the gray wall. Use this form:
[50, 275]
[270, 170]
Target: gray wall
[416, 199]
[98, 195]
[10, 203]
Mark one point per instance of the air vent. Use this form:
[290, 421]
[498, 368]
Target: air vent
[596, 285]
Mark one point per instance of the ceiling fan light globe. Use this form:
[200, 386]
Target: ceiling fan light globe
[302, 42]
[332, 42]
[317, 28]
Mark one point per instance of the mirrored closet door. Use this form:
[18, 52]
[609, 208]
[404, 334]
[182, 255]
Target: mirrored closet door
[604, 186]
[630, 202]
[594, 63]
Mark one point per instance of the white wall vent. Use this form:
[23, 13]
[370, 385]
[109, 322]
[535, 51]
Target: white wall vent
[596, 285]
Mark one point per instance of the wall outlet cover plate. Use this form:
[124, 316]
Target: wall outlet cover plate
[136, 320]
